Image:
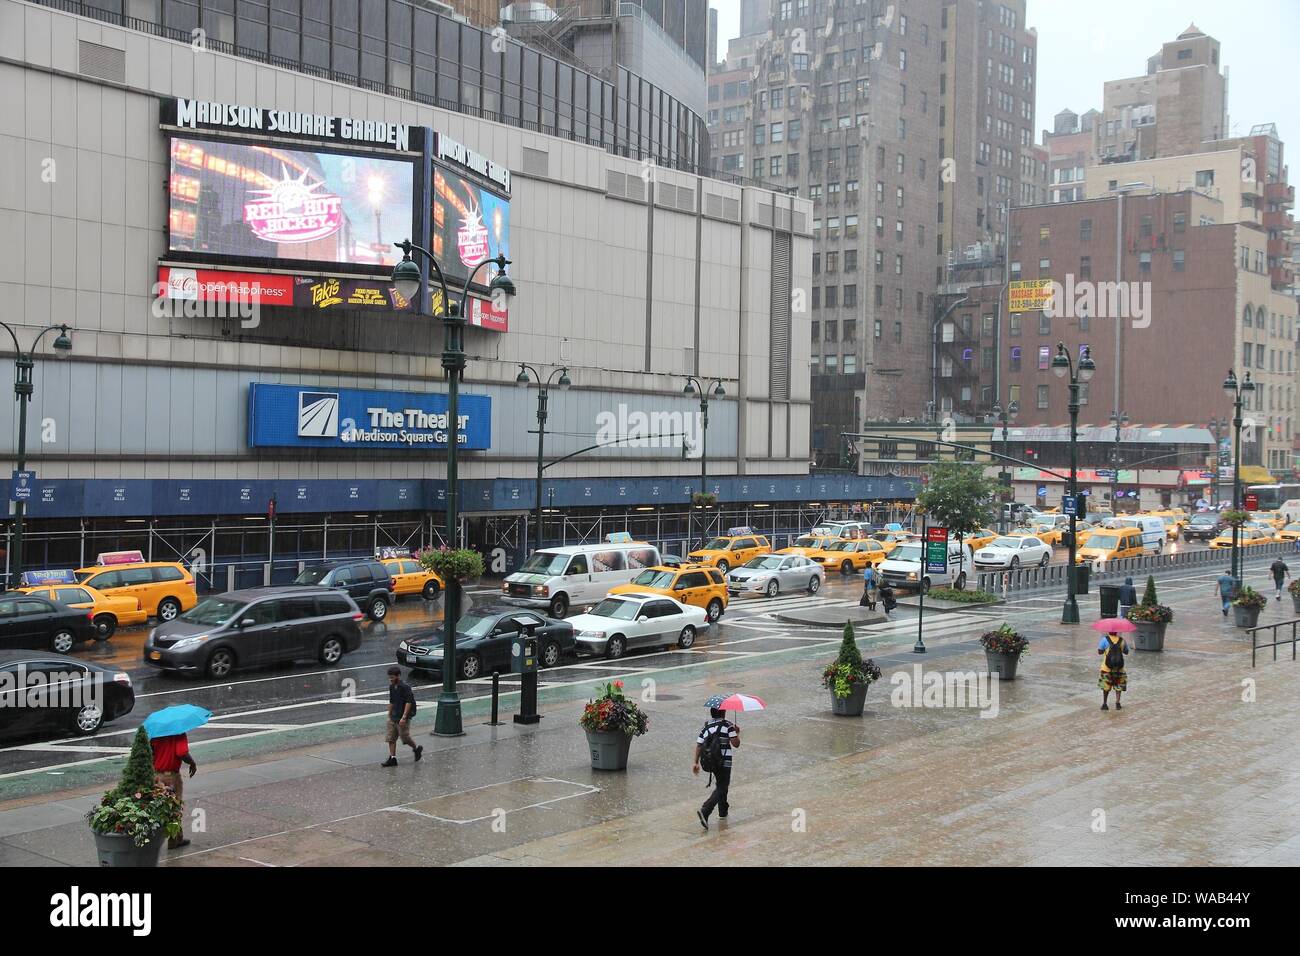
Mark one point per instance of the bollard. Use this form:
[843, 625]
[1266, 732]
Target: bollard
[496, 690]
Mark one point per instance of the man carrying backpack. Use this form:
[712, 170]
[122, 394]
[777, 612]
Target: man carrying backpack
[713, 747]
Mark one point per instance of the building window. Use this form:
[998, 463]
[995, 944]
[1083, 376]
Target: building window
[816, 331]
[850, 363]
[1085, 267]
[1015, 358]
[1014, 323]
[876, 328]
[1204, 177]
[1042, 396]
[1085, 230]
[1144, 262]
[1044, 357]
[1044, 324]
[1180, 222]
[1179, 260]
[1044, 233]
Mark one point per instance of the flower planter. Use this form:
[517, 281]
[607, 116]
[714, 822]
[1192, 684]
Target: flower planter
[852, 705]
[1245, 616]
[1150, 636]
[1295, 602]
[114, 849]
[1004, 665]
[609, 749]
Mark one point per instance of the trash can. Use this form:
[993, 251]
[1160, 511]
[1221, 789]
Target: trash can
[1082, 575]
[1109, 600]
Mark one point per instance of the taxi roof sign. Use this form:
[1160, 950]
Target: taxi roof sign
[37, 578]
[120, 557]
[741, 529]
[619, 537]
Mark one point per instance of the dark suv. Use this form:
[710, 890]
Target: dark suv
[30, 621]
[1206, 527]
[256, 626]
[365, 580]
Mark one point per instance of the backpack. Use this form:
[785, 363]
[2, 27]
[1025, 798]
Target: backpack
[713, 757]
[1115, 655]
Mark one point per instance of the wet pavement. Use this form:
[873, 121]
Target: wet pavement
[1198, 767]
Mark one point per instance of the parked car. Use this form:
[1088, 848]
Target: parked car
[29, 621]
[82, 696]
[365, 580]
[555, 579]
[257, 626]
[696, 586]
[107, 612]
[618, 624]
[771, 573]
[1205, 526]
[484, 636]
[163, 588]
[732, 549]
[1014, 551]
[411, 577]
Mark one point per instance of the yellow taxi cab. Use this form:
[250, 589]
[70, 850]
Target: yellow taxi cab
[889, 540]
[411, 577]
[107, 612]
[849, 554]
[1247, 537]
[1290, 532]
[697, 586]
[807, 543]
[1107, 544]
[731, 550]
[1272, 518]
[163, 588]
[981, 538]
[1048, 532]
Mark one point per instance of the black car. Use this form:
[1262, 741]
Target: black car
[43, 692]
[365, 580]
[1206, 527]
[257, 626]
[33, 622]
[484, 637]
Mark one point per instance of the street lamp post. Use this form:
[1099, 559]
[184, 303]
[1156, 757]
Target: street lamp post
[1004, 416]
[24, 362]
[408, 279]
[1217, 425]
[1079, 373]
[1238, 391]
[522, 381]
[715, 389]
[1119, 420]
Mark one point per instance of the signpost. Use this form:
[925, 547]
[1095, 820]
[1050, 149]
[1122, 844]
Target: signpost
[934, 561]
[1252, 502]
[20, 487]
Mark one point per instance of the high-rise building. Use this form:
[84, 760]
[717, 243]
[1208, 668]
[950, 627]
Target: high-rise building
[1071, 150]
[755, 17]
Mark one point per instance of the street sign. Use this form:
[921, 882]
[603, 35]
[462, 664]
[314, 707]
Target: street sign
[20, 488]
[936, 550]
[1207, 474]
[1105, 472]
[1252, 502]
[1074, 505]
[1042, 491]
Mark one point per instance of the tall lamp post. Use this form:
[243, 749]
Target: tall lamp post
[1120, 421]
[522, 381]
[1079, 373]
[408, 279]
[24, 362]
[1239, 392]
[1217, 426]
[715, 390]
[1004, 416]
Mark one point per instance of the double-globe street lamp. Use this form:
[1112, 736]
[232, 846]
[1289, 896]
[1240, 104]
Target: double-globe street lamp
[1120, 421]
[24, 362]
[1239, 391]
[408, 279]
[1004, 417]
[563, 383]
[1080, 373]
[715, 390]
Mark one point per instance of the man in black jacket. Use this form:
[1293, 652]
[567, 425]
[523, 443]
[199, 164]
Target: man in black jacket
[401, 708]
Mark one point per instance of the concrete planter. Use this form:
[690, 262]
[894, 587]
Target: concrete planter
[609, 749]
[1150, 636]
[852, 705]
[114, 849]
[1004, 665]
[1295, 602]
[1246, 617]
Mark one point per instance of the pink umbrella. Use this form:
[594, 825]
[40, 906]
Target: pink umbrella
[742, 702]
[1110, 625]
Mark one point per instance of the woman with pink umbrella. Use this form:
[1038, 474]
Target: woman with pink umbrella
[1112, 648]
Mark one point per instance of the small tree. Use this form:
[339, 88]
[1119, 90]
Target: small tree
[958, 496]
[1149, 595]
[138, 774]
[849, 669]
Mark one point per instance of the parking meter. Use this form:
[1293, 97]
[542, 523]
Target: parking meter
[523, 661]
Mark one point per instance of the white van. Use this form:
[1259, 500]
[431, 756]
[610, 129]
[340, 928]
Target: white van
[1154, 533]
[1290, 510]
[558, 578]
[844, 529]
[903, 567]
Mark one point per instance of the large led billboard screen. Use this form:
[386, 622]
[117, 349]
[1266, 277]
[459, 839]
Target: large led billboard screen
[469, 224]
[267, 202]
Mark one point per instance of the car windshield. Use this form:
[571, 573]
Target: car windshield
[1292, 527]
[840, 546]
[906, 552]
[651, 578]
[213, 610]
[716, 544]
[767, 563]
[1205, 519]
[1103, 541]
[473, 625]
[807, 541]
[309, 576]
[619, 610]
[1006, 543]
[545, 562]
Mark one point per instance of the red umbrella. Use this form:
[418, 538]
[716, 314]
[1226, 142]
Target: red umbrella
[1111, 625]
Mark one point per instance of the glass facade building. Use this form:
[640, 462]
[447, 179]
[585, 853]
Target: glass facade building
[411, 51]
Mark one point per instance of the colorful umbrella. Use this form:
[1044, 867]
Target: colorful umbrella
[741, 702]
[1109, 625]
[180, 719]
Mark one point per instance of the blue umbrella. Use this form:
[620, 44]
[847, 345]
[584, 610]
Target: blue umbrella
[714, 702]
[180, 719]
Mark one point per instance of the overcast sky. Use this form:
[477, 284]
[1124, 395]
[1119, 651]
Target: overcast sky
[1080, 45]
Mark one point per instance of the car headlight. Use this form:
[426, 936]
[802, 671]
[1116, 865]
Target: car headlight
[189, 642]
[403, 646]
[541, 589]
[592, 635]
[911, 575]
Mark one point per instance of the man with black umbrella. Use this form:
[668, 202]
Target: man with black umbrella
[713, 746]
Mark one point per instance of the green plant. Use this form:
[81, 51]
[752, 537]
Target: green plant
[138, 807]
[959, 496]
[1005, 640]
[1235, 518]
[1249, 597]
[612, 711]
[452, 564]
[1149, 595]
[1294, 587]
[704, 499]
[849, 669]
[962, 597]
[1151, 613]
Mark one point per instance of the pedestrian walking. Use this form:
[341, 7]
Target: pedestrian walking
[1112, 649]
[1280, 571]
[401, 708]
[1227, 588]
[868, 599]
[887, 597]
[1128, 597]
[168, 755]
[713, 747]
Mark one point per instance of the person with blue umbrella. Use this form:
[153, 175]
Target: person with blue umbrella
[168, 729]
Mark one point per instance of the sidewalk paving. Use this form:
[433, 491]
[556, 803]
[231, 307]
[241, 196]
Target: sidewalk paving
[1186, 773]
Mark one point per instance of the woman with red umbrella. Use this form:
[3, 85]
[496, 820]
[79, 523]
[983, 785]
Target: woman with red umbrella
[1112, 648]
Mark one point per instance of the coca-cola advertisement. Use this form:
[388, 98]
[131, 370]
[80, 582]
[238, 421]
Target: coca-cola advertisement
[268, 202]
[470, 224]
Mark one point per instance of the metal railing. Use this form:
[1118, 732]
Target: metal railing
[1255, 646]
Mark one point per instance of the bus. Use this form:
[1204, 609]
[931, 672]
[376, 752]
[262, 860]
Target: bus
[1273, 497]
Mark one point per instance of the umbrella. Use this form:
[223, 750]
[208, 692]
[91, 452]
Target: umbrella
[1113, 624]
[735, 702]
[180, 719]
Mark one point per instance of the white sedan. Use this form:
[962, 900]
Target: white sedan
[624, 621]
[1014, 551]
